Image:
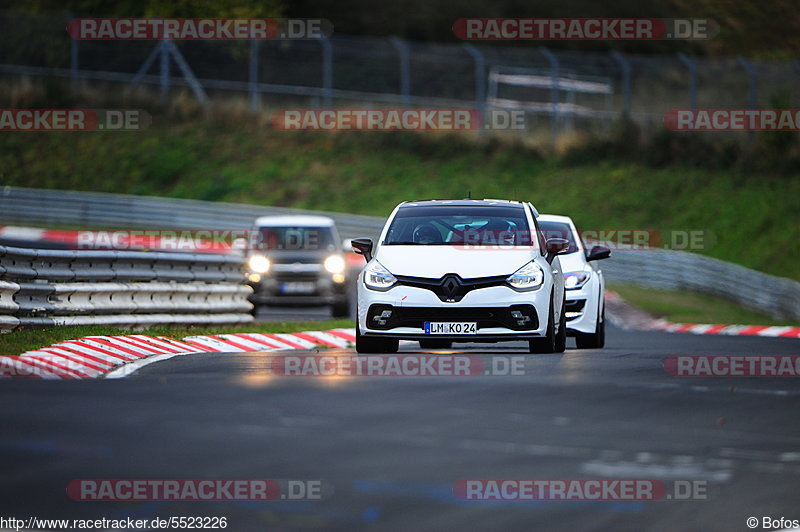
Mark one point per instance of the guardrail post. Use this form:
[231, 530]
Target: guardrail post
[554, 96]
[164, 81]
[480, 80]
[327, 72]
[692, 67]
[253, 75]
[625, 66]
[752, 89]
[404, 52]
[73, 60]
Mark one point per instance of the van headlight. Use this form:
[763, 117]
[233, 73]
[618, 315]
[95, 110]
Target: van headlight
[377, 277]
[576, 280]
[334, 264]
[258, 264]
[529, 277]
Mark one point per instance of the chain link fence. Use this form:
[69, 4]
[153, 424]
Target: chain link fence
[370, 72]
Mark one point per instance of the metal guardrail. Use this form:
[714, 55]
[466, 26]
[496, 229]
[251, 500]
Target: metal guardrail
[97, 209]
[681, 270]
[652, 268]
[43, 287]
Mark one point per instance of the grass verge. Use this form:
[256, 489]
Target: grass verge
[691, 307]
[18, 342]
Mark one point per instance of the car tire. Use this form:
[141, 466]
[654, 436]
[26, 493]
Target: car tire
[561, 335]
[594, 340]
[547, 344]
[435, 344]
[341, 309]
[365, 344]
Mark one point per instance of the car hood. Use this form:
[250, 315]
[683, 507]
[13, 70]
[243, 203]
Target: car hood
[436, 261]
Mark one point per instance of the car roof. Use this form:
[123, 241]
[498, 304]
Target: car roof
[294, 221]
[460, 203]
[554, 218]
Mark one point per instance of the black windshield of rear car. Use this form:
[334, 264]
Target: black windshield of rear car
[296, 238]
[559, 230]
[459, 225]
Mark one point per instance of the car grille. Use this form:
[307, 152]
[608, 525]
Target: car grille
[485, 317]
[451, 288]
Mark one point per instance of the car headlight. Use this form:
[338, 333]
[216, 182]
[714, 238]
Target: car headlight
[334, 264]
[258, 264]
[575, 280]
[377, 277]
[529, 277]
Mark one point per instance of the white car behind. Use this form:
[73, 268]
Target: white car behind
[583, 281]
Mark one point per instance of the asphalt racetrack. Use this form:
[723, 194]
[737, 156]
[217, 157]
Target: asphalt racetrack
[389, 450]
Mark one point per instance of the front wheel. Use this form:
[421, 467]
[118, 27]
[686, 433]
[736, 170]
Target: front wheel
[366, 344]
[547, 344]
[561, 335]
[594, 340]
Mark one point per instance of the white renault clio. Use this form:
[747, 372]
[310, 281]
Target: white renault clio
[447, 271]
[583, 280]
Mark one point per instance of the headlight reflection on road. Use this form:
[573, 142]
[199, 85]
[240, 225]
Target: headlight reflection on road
[574, 366]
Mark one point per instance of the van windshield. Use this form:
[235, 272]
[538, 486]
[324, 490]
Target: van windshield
[296, 238]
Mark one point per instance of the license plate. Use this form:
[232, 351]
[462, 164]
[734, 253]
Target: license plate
[297, 288]
[450, 327]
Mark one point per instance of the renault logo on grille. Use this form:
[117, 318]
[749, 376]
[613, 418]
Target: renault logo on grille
[450, 285]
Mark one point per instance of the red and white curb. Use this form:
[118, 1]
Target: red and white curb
[623, 315]
[774, 331]
[117, 356]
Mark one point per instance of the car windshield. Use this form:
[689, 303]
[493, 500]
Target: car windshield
[559, 230]
[296, 238]
[459, 225]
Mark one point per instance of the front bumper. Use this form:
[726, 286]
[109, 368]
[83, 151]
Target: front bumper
[581, 309]
[318, 289]
[490, 307]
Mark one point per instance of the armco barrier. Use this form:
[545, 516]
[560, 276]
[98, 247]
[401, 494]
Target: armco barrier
[43, 287]
[64, 207]
[652, 268]
[681, 270]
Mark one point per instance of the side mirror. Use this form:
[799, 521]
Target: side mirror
[363, 246]
[554, 246]
[598, 252]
